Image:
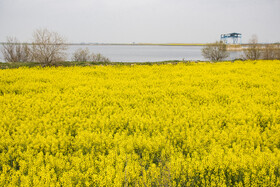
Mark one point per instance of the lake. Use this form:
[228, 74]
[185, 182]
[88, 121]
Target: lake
[145, 53]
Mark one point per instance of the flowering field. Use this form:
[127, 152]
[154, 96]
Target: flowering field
[196, 124]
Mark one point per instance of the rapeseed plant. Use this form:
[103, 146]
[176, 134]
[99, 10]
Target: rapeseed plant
[196, 124]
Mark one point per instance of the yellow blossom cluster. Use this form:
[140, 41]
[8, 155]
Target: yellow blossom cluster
[185, 124]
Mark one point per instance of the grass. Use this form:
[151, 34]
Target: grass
[12, 65]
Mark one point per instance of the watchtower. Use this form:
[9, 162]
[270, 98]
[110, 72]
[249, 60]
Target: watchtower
[236, 37]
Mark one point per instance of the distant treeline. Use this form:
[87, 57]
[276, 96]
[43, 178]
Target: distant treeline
[252, 51]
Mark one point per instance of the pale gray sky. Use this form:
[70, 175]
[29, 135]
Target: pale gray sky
[153, 21]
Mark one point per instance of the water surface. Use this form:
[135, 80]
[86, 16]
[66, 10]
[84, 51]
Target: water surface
[145, 53]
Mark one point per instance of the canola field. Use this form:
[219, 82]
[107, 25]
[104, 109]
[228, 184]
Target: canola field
[188, 124]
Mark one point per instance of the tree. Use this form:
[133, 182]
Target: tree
[81, 55]
[215, 51]
[277, 51]
[48, 47]
[99, 58]
[253, 51]
[269, 52]
[14, 51]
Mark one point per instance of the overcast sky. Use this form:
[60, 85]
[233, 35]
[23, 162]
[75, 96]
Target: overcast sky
[153, 21]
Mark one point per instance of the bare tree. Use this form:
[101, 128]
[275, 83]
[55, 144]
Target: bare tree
[215, 51]
[99, 58]
[253, 51]
[277, 51]
[48, 47]
[14, 51]
[81, 55]
[269, 52]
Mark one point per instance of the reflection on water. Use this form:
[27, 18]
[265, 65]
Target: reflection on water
[145, 53]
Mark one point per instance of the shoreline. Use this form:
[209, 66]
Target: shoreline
[13, 65]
